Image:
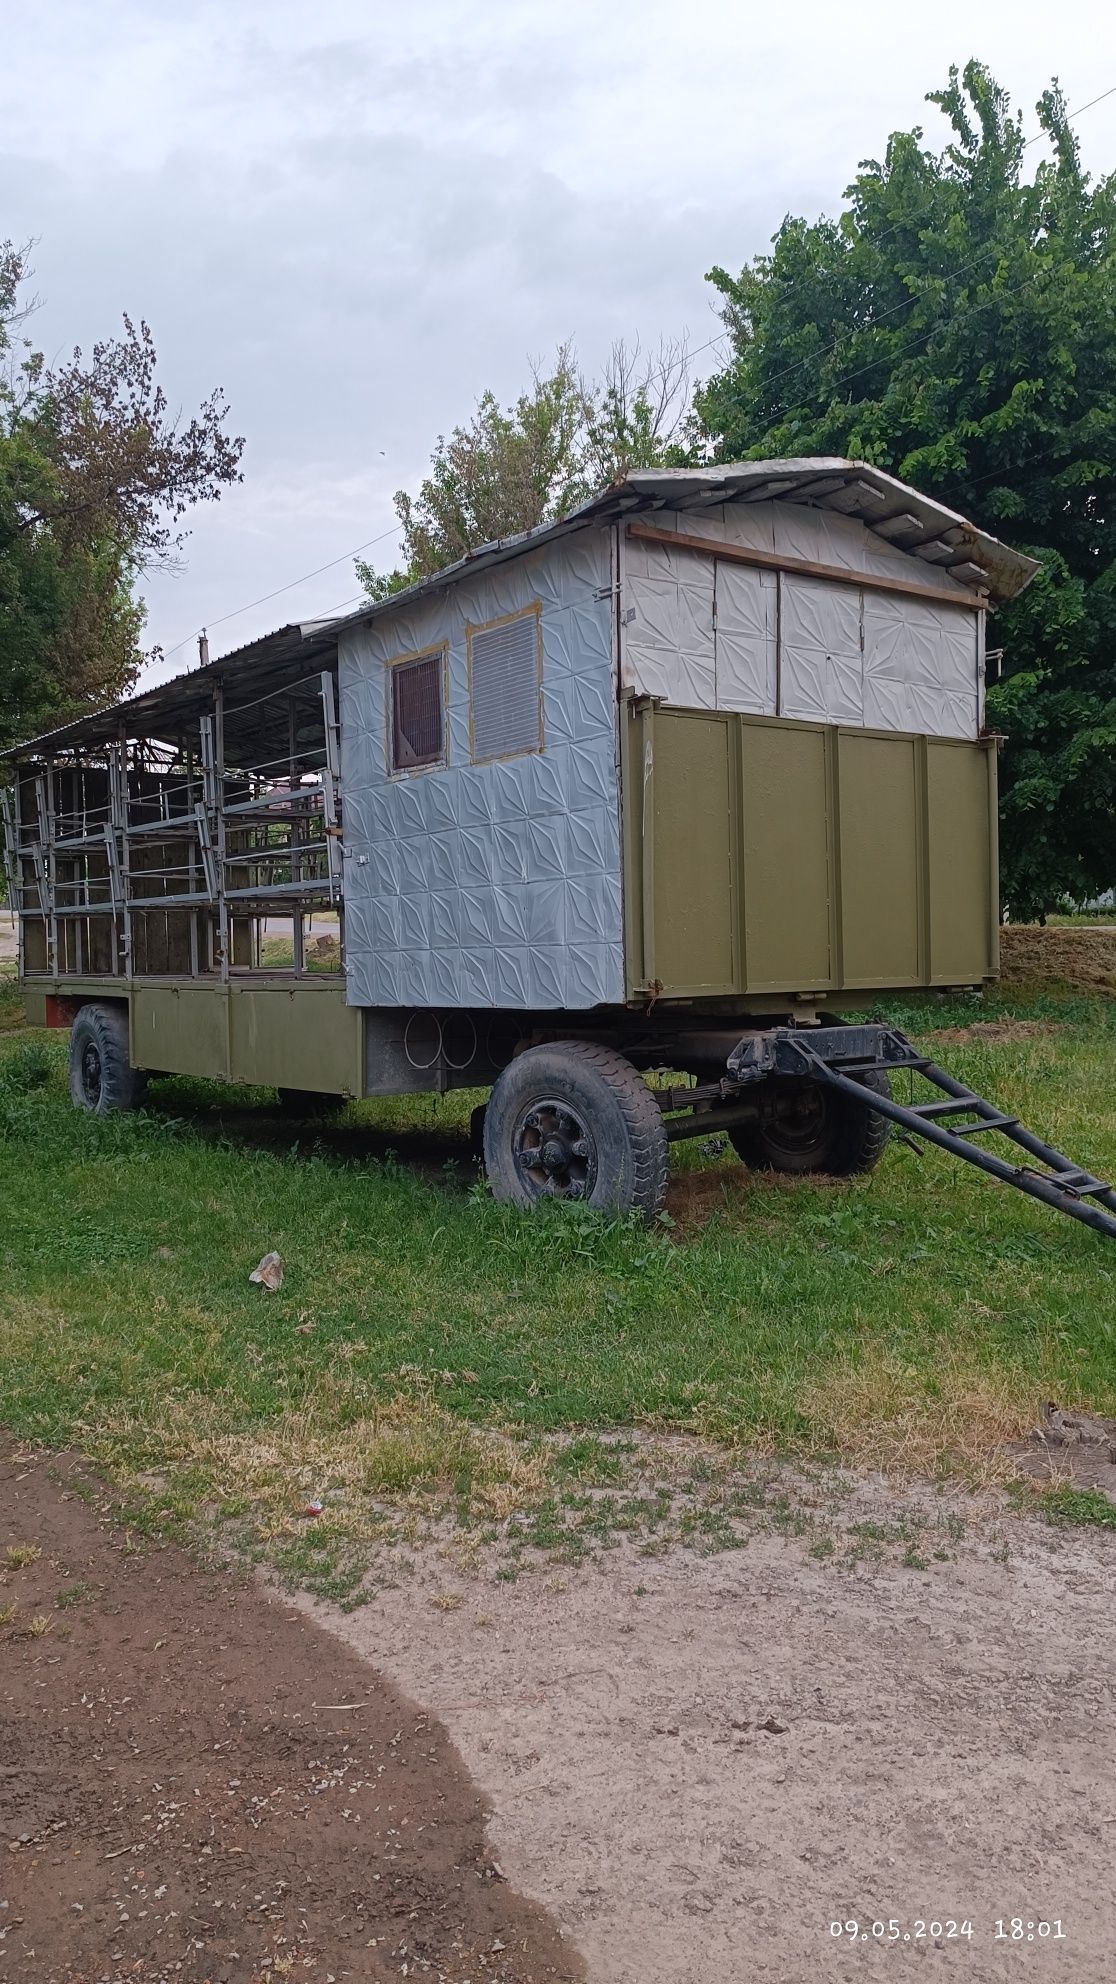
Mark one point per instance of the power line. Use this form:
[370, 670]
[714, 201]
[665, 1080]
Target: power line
[289, 587]
[787, 372]
[920, 213]
[955, 317]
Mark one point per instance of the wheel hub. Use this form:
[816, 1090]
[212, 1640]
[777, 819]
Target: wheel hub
[91, 1073]
[554, 1150]
[797, 1115]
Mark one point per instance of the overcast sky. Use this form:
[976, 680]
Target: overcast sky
[355, 217]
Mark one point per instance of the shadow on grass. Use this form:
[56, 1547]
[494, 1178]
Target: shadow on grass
[215, 1115]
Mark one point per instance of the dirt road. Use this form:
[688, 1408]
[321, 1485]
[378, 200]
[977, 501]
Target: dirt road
[698, 1765]
[701, 1764]
[198, 1786]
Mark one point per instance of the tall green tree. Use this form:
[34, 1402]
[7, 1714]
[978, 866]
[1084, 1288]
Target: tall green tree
[957, 325]
[96, 475]
[505, 470]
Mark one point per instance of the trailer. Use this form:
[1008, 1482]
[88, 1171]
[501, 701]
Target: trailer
[675, 787]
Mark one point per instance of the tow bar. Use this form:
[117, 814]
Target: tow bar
[837, 1055]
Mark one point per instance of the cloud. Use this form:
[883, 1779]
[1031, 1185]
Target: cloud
[356, 217]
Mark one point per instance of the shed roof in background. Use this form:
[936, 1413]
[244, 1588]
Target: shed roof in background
[897, 513]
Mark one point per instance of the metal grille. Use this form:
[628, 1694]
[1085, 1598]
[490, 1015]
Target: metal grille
[417, 718]
[506, 713]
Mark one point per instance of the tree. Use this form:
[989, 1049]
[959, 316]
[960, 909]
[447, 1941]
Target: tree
[955, 325]
[508, 470]
[95, 477]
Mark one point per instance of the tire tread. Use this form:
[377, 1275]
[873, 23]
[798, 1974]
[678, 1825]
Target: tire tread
[637, 1107]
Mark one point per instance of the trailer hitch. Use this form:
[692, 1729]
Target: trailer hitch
[840, 1057]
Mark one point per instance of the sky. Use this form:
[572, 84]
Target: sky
[355, 218]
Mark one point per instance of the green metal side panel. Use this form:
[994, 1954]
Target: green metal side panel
[297, 1036]
[764, 856]
[878, 808]
[963, 900]
[181, 1029]
[35, 1005]
[694, 783]
[787, 856]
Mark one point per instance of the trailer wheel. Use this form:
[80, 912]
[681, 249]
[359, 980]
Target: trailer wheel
[476, 1132]
[573, 1120]
[102, 1077]
[805, 1126]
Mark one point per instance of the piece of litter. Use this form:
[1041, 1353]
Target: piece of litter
[311, 1509]
[269, 1274]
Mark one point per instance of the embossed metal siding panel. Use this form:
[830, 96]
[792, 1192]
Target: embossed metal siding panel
[745, 638]
[489, 884]
[704, 633]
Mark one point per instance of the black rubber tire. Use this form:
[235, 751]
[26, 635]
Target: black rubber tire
[627, 1171]
[476, 1132]
[102, 1077]
[835, 1135]
[309, 1102]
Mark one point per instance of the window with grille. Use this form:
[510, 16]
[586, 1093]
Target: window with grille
[418, 718]
[505, 705]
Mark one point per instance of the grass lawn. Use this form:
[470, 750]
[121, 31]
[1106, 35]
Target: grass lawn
[426, 1340]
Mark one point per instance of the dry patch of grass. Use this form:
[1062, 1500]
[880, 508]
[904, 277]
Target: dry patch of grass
[985, 1031]
[18, 1555]
[1079, 956]
[373, 1476]
[906, 1421]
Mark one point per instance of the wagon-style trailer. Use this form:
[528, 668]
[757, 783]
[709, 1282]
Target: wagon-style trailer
[663, 786]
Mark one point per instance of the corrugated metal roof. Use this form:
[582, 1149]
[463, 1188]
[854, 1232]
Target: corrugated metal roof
[912, 522]
[936, 533]
[274, 661]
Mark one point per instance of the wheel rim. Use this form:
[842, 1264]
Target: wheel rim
[798, 1118]
[555, 1152]
[92, 1074]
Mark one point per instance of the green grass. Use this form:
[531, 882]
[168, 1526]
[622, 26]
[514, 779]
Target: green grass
[11, 1002]
[426, 1340]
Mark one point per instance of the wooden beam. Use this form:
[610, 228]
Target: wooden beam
[740, 554]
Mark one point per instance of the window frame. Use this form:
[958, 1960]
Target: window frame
[438, 651]
[487, 627]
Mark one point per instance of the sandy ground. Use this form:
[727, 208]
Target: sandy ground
[700, 1764]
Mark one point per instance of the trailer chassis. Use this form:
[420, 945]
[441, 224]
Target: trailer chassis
[839, 1058]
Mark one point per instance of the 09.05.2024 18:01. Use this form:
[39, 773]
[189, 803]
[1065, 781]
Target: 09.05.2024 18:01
[1005, 1929]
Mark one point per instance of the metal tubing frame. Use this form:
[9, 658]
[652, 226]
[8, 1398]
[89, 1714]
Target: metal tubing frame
[1081, 1197]
[290, 829]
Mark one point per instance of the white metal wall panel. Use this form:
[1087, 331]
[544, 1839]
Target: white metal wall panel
[489, 884]
[833, 653]
[826, 537]
[668, 623]
[745, 639]
[920, 666]
[821, 676]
